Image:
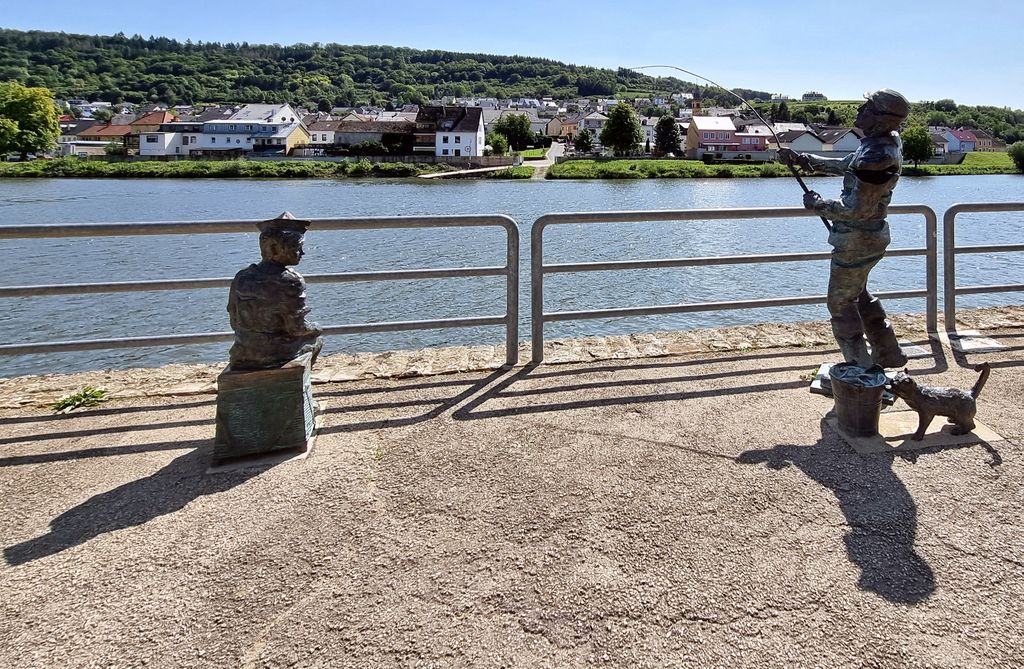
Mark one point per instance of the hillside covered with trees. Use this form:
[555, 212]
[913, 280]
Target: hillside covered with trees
[136, 69]
[321, 76]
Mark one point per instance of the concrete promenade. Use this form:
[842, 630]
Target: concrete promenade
[688, 510]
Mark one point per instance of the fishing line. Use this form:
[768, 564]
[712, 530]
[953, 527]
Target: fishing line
[792, 168]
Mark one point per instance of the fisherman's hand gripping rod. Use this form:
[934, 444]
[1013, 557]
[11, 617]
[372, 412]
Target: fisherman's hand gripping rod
[791, 167]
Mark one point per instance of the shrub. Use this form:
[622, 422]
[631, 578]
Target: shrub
[368, 148]
[1016, 152]
[363, 168]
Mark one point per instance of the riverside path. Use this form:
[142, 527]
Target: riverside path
[689, 510]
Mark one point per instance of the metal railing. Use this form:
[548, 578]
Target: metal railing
[510, 271]
[538, 269]
[950, 251]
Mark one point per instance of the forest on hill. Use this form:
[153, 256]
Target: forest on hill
[322, 76]
[136, 69]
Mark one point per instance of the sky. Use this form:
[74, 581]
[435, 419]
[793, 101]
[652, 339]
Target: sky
[926, 49]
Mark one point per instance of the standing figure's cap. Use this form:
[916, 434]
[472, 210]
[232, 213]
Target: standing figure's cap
[284, 223]
[888, 101]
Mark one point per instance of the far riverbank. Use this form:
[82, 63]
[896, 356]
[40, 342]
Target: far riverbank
[973, 164]
[70, 167]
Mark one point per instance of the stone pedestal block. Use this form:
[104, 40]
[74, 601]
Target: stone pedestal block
[264, 411]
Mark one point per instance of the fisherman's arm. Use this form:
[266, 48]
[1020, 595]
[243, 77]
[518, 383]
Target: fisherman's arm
[815, 163]
[849, 208]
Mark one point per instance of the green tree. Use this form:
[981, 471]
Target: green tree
[8, 135]
[783, 114]
[666, 136]
[516, 128]
[623, 131]
[498, 143]
[1016, 151]
[917, 144]
[102, 114]
[31, 122]
[584, 141]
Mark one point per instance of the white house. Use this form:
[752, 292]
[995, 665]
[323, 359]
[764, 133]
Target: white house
[460, 132]
[648, 124]
[594, 122]
[839, 139]
[257, 127]
[321, 133]
[801, 141]
[158, 143]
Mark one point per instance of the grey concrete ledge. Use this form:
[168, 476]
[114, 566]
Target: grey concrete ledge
[201, 379]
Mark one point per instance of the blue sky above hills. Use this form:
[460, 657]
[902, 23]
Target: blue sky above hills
[927, 50]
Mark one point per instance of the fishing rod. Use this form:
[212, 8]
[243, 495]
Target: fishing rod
[760, 118]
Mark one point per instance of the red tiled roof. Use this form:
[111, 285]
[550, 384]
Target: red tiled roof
[109, 131]
[154, 118]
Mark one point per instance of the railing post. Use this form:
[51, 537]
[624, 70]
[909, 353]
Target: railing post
[931, 271]
[512, 294]
[537, 290]
[949, 268]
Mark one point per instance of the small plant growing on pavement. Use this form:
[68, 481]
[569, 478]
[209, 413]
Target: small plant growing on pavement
[86, 397]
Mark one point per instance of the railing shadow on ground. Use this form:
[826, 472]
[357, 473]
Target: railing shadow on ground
[104, 411]
[442, 404]
[115, 429]
[964, 359]
[881, 515]
[470, 411]
[532, 372]
[100, 452]
[165, 491]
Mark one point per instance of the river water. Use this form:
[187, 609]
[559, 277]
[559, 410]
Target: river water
[30, 201]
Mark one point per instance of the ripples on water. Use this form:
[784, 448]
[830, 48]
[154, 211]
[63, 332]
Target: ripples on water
[31, 201]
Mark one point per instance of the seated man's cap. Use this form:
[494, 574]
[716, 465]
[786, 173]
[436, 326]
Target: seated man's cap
[888, 101]
[284, 222]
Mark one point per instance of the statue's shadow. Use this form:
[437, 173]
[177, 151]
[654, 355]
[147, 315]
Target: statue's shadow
[165, 491]
[880, 513]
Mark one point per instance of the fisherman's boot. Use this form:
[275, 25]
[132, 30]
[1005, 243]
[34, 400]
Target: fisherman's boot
[849, 334]
[885, 348]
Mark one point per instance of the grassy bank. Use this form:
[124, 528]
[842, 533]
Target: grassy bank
[198, 169]
[511, 173]
[997, 162]
[533, 154]
[658, 169]
[974, 163]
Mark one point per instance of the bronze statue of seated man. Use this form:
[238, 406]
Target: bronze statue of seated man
[267, 302]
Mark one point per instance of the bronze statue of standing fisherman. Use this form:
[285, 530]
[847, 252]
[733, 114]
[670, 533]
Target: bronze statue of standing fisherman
[860, 234]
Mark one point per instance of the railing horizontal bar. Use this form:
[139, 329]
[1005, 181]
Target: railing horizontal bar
[116, 287]
[697, 214]
[401, 326]
[215, 337]
[123, 342]
[407, 275]
[235, 226]
[711, 306]
[703, 262]
[990, 248]
[224, 282]
[982, 207]
[977, 290]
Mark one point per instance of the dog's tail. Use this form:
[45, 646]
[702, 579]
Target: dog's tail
[985, 370]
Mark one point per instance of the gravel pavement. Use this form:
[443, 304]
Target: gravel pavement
[684, 511]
